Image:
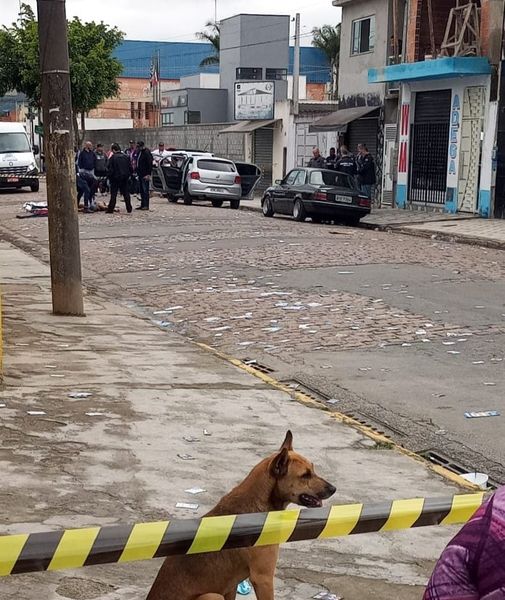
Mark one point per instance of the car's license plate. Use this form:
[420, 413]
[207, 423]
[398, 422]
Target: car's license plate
[215, 190]
[344, 199]
[12, 179]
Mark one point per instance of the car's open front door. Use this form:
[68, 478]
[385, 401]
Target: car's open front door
[250, 175]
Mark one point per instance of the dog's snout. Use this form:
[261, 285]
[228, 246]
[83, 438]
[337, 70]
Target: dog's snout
[330, 490]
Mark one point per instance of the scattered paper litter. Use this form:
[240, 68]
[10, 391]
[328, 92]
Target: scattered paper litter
[2, 405]
[205, 432]
[186, 457]
[333, 401]
[195, 490]
[478, 362]
[79, 395]
[327, 596]
[56, 375]
[406, 345]
[35, 412]
[482, 414]
[448, 343]
[489, 383]
[453, 352]
[187, 505]
[95, 414]
[191, 439]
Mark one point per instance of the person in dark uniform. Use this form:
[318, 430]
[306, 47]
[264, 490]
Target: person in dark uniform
[119, 171]
[144, 172]
[332, 159]
[346, 162]
[365, 167]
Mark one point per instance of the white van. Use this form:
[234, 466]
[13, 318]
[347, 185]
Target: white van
[17, 158]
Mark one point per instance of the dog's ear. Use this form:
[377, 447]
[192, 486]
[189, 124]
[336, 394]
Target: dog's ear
[279, 465]
[288, 442]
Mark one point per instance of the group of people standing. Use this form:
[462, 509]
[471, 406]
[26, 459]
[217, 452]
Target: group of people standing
[361, 166]
[127, 172]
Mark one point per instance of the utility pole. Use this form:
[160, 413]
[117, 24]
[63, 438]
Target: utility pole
[296, 68]
[61, 189]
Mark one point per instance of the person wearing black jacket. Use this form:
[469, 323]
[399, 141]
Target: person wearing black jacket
[119, 171]
[365, 167]
[144, 172]
[346, 162]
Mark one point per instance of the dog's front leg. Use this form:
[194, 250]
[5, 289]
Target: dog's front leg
[264, 588]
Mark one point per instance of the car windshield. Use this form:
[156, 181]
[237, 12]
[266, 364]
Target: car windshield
[332, 178]
[216, 165]
[14, 142]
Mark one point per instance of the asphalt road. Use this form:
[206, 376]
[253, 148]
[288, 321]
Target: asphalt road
[405, 333]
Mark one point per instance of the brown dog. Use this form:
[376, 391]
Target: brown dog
[283, 478]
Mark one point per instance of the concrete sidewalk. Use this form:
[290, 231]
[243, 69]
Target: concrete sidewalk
[115, 456]
[461, 228]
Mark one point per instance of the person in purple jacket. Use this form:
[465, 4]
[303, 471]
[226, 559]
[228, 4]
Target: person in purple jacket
[472, 567]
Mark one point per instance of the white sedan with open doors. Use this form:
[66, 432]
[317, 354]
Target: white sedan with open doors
[206, 177]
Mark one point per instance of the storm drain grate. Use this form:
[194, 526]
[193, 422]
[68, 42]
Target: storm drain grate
[451, 465]
[257, 366]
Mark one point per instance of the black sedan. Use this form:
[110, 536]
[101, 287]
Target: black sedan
[317, 193]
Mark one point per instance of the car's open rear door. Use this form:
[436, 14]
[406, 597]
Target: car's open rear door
[250, 175]
[167, 179]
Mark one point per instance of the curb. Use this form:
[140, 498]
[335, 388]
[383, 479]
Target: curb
[341, 418]
[403, 228]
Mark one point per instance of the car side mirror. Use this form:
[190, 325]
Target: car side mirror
[278, 181]
[35, 149]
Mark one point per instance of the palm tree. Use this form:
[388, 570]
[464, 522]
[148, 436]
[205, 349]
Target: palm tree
[211, 35]
[327, 38]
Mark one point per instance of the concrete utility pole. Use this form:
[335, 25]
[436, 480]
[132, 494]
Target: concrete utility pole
[61, 189]
[296, 68]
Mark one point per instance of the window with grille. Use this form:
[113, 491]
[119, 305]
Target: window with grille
[254, 73]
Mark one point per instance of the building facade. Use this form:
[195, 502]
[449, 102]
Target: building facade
[449, 105]
[368, 114]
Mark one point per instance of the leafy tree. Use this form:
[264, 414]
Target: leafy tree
[327, 38]
[93, 69]
[213, 36]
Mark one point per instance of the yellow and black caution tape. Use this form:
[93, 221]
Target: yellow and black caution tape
[77, 548]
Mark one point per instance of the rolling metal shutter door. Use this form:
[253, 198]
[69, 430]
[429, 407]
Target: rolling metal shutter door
[363, 131]
[263, 143]
[433, 107]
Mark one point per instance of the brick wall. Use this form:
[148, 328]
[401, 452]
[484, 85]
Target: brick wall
[418, 41]
[196, 137]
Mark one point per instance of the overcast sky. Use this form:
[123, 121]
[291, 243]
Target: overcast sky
[177, 20]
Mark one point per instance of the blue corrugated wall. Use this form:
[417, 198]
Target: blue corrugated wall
[179, 59]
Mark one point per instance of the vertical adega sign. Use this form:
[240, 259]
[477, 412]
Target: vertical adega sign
[254, 100]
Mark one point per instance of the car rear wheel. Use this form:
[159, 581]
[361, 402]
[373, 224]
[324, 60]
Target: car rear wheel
[34, 186]
[188, 199]
[299, 213]
[172, 198]
[267, 207]
[217, 203]
[235, 204]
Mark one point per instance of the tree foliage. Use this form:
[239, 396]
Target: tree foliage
[93, 69]
[212, 35]
[327, 39]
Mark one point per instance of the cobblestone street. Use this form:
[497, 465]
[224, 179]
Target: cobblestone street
[404, 332]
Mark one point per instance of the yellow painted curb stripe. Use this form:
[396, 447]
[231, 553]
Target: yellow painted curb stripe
[212, 534]
[404, 513]
[278, 527]
[341, 520]
[463, 508]
[10, 549]
[73, 549]
[144, 540]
